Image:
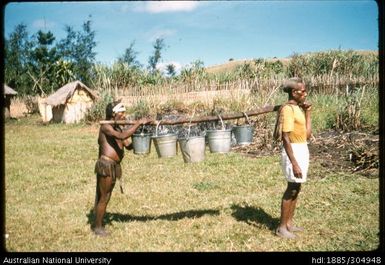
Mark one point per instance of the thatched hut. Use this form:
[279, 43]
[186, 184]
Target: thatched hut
[9, 93]
[68, 104]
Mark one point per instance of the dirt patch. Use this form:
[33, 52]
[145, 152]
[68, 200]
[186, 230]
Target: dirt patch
[353, 152]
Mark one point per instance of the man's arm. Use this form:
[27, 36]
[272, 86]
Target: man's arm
[307, 108]
[128, 144]
[109, 130]
[308, 123]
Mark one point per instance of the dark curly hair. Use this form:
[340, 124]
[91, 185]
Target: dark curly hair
[110, 106]
[291, 84]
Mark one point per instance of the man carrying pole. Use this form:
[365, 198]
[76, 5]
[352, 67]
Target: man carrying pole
[112, 140]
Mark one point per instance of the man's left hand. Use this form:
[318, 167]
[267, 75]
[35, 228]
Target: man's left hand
[306, 106]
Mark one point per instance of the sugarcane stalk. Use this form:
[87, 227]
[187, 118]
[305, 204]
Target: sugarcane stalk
[182, 120]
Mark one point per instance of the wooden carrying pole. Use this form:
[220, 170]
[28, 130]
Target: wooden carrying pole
[254, 112]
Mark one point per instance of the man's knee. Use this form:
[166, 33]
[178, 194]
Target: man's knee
[292, 190]
[104, 198]
[106, 182]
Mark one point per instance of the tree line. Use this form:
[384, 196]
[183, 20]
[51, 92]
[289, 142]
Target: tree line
[40, 64]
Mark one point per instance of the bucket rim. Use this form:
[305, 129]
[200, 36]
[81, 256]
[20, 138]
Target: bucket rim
[226, 130]
[242, 126]
[164, 135]
[191, 137]
[142, 134]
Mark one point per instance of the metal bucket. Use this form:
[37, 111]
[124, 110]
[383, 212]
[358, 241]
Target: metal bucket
[219, 140]
[141, 143]
[193, 148]
[165, 144]
[243, 134]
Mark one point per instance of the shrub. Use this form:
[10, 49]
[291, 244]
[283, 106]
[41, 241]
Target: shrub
[98, 110]
[172, 106]
[349, 112]
[31, 104]
[140, 109]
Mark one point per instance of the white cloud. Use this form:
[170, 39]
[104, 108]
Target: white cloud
[167, 6]
[131, 6]
[43, 24]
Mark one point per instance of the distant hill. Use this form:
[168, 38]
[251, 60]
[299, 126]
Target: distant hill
[230, 66]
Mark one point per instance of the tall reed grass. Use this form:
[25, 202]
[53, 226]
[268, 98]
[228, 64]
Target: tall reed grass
[326, 72]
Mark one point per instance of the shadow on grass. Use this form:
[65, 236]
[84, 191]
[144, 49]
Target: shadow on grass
[254, 216]
[118, 217]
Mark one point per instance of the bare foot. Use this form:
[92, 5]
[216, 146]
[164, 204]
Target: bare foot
[295, 229]
[100, 232]
[284, 233]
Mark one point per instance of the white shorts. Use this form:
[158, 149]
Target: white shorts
[301, 154]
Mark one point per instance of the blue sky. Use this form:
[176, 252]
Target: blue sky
[210, 31]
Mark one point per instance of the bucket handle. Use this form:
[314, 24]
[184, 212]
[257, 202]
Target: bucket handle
[142, 132]
[247, 117]
[157, 125]
[189, 125]
[223, 126]
[188, 132]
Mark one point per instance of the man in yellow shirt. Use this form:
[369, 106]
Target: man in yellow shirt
[296, 130]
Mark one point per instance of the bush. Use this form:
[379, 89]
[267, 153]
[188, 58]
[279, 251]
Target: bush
[173, 106]
[31, 104]
[140, 109]
[349, 112]
[98, 110]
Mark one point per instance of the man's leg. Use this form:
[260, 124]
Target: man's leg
[97, 194]
[296, 187]
[105, 187]
[286, 206]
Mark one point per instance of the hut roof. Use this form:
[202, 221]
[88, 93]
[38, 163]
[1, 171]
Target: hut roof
[64, 93]
[9, 91]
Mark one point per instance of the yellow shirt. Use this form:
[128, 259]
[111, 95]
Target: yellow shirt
[294, 123]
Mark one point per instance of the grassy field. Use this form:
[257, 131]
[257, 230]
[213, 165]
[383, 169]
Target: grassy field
[228, 202]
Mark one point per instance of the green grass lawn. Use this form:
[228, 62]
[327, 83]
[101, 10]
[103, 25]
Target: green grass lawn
[228, 202]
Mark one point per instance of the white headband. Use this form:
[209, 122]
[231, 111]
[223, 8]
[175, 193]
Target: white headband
[119, 108]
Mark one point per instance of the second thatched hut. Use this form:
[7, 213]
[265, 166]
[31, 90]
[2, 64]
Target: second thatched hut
[9, 93]
[68, 104]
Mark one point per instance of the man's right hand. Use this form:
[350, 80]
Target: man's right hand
[145, 120]
[297, 171]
